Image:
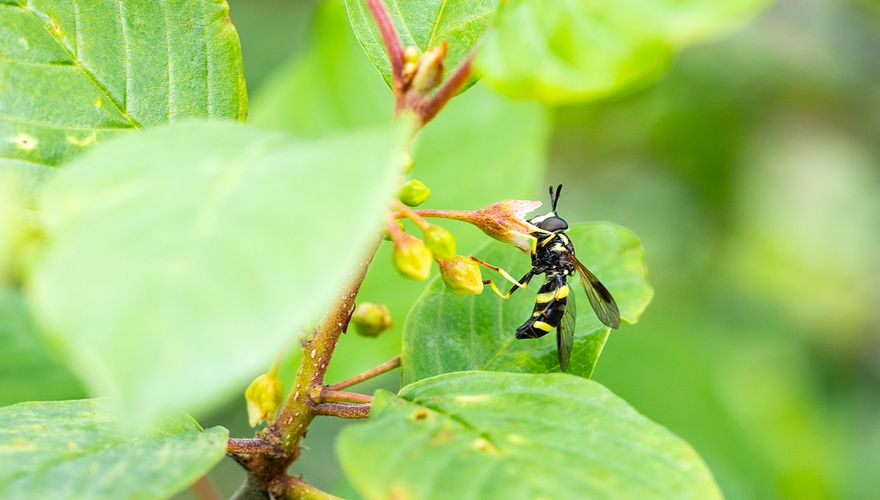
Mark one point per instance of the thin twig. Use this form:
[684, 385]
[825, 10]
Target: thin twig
[344, 397]
[411, 215]
[428, 110]
[392, 42]
[251, 446]
[342, 410]
[462, 215]
[372, 372]
[294, 488]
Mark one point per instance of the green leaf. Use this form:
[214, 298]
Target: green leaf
[569, 51]
[72, 449]
[28, 371]
[577, 50]
[197, 260]
[505, 435]
[75, 73]
[446, 333]
[423, 24]
[687, 22]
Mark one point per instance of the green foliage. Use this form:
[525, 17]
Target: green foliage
[71, 449]
[505, 435]
[28, 371]
[579, 50]
[423, 24]
[75, 73]
[446, 333]
[199, 253]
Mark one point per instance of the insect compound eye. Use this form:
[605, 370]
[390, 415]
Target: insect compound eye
[553, 224]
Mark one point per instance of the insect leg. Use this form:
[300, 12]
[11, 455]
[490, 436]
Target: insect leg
[522, 283]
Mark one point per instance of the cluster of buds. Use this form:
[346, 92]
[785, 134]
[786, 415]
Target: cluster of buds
[505, 221]
[413, 256]
[263, 396]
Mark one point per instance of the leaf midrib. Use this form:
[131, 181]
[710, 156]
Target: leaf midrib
[77, 63]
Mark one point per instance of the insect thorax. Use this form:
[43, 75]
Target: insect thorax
[552, 253]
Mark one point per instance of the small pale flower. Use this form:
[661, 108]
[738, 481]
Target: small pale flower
[505, 221]
[263, 396]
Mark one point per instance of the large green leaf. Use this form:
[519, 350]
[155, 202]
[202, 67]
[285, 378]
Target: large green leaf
[196, 252]
[423, 24]
[578, 50]
[28, 371]
[505, 435]
[570, 50]
[73, 73]
[446, 333]
[73, 450]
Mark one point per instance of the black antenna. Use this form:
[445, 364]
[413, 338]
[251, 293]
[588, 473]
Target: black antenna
[554, 198]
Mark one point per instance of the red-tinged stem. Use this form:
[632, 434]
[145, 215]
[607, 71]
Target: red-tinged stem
[392, 43]
[412, 215]
[251, 446]
[394, 230]
[344, 397]
[372, 372]
[294, 488]
[342, 410]
[462, 215]
[459, 78]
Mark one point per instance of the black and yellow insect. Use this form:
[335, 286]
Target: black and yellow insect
[554, 305]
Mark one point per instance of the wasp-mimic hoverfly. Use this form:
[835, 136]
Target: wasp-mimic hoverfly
[554, 306]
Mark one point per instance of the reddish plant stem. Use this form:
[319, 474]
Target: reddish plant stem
[462, 215]
[342, 410]
[344, 397]
[251, 446]
[372, 372]
[294, 488]
[412, 215]
[428, 110]
[392, 44]
[265, 471]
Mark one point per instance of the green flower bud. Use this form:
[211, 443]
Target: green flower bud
[461, 275]
[440, 242]
[412, 258]
[263, 396]
[371, 319]
[414, 193]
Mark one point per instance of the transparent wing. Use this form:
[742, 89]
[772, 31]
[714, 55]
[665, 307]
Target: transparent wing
[600, 298]
[565, 333]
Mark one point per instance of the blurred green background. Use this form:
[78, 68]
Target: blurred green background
[751, 172]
